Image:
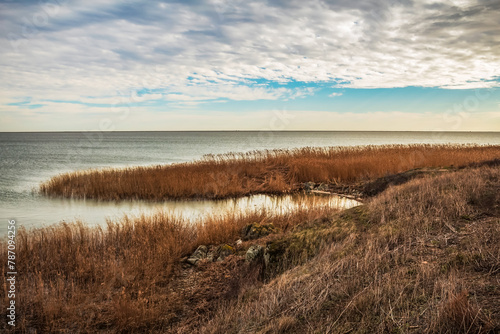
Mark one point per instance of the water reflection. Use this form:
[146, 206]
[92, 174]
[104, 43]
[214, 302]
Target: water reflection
[287, 203]
[49, 211]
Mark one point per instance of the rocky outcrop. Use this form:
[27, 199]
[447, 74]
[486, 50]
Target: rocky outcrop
[222, 252]
[199, 254]
[210, 253]
[254, 253]
[308, 186]
[255, 231]
[312, 187]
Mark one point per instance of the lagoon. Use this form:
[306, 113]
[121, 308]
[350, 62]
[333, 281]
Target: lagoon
[27, 159]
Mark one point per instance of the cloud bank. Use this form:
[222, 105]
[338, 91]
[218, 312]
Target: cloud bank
[189, 53]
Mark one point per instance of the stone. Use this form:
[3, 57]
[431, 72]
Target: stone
[256, 231]
[192, 261]
[211, 254]
[308, 186]
[222, 252]
[199, 254]
[322, 187]
[254, 253]
[274, 252]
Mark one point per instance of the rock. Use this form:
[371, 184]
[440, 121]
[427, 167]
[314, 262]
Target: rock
[322, 187]
[254, 253]
[222, 252]
[192, 261]
[256, 230]
[308, 186]
[274, 252]
[211, 254]
[238, 243]
[199, 254]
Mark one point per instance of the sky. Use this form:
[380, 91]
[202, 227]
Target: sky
[108, 65]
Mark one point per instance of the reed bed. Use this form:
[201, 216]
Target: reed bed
[271, 171]
[422, 257]
[77, 278]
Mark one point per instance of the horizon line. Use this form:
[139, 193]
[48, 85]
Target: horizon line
[76, 131]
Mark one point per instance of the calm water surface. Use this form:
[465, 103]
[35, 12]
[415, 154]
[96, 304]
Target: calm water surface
[27, 159]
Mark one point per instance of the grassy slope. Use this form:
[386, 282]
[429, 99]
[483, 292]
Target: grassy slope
[126, 276]
[421, 257]
[276, 171]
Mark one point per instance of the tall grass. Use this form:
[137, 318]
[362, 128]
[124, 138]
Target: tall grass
[425, 259]
[84, 279]
[272, 171]
[420, 257]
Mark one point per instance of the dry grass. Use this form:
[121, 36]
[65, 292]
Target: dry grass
[424, 259]
[120, 277]
[276, 171]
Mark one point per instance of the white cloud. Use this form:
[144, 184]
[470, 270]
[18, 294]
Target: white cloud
[215, 49]
[335, 94]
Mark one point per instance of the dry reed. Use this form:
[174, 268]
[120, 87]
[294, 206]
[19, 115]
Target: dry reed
[272, 171]
[80, 278]
[424, 259]
[421, 257]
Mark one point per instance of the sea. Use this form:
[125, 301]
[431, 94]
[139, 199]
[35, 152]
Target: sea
[28, 159]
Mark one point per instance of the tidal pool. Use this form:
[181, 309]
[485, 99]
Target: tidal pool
[44, 211]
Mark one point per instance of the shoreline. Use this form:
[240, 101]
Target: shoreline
[424, 245]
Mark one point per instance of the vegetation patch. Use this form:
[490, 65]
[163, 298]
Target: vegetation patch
[271, 172]
[419, 257]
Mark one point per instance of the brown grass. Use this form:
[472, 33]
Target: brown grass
[423, 259]
[276, 171]
[78, 278]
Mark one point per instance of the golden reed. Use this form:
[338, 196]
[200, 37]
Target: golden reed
[271, 172]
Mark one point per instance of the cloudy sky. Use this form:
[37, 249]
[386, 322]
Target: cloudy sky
[250, 65]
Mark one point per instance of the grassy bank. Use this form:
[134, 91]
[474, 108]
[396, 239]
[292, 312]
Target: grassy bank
[421, 257]
[124, 276]
[277, 171]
